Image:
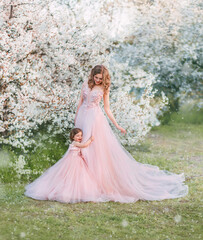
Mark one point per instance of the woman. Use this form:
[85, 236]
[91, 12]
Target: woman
[120, 177]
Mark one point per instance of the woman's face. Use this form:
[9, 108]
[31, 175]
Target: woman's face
[98, 78]
[78, 137]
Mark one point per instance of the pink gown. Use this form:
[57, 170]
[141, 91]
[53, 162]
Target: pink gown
[119, 176]
[68, 180]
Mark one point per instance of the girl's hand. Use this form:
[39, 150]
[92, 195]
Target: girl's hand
[122, 130]
[92, 138]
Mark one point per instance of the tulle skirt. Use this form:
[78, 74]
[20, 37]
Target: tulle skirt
[68, 181]
[106, 172]
[119, 176]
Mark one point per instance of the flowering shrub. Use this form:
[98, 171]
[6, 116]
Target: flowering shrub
[19, 166]
[49, 47]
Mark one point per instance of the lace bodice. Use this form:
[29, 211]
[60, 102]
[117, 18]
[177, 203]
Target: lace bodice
[91, 98]
[75, 150]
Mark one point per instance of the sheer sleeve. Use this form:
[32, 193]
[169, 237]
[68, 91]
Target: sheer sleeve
[84, 84]
[81, 97]
[83, 87]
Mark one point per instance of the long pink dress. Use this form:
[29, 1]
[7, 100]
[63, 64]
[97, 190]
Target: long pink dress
[68, 180]
[119, 176]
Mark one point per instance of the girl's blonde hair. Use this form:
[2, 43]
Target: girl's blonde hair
[100, 69]
[73, 132]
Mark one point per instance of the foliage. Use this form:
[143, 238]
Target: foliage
[166, 42]
[48, 48]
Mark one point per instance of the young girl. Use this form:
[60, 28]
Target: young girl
[69, 180]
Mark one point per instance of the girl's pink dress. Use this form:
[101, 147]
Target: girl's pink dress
[69, 181]
[119, 176]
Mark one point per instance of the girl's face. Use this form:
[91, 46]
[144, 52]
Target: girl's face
[98, 78]
[78, 137]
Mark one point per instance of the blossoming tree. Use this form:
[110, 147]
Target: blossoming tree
[49, 47]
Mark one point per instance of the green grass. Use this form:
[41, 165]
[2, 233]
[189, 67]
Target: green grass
[176, 147]
[188, 113]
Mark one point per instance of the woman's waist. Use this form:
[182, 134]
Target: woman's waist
[90, 105]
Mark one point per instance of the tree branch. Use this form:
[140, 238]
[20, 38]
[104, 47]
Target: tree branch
[11, 12]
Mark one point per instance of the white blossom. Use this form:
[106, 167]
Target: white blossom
[49, 47]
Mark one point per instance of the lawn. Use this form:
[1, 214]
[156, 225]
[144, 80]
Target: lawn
[176, 147]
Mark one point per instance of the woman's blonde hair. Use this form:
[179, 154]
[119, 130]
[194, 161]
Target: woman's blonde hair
[100, 69]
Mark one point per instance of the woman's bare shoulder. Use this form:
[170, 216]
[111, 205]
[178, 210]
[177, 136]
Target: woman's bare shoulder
[107, 91]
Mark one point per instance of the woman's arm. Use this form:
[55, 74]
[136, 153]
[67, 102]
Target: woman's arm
[109, 113]
[80, 101]
[79, 104]
[84, 145]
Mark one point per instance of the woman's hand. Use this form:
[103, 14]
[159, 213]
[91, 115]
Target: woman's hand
[92, 138]
[122, 130]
